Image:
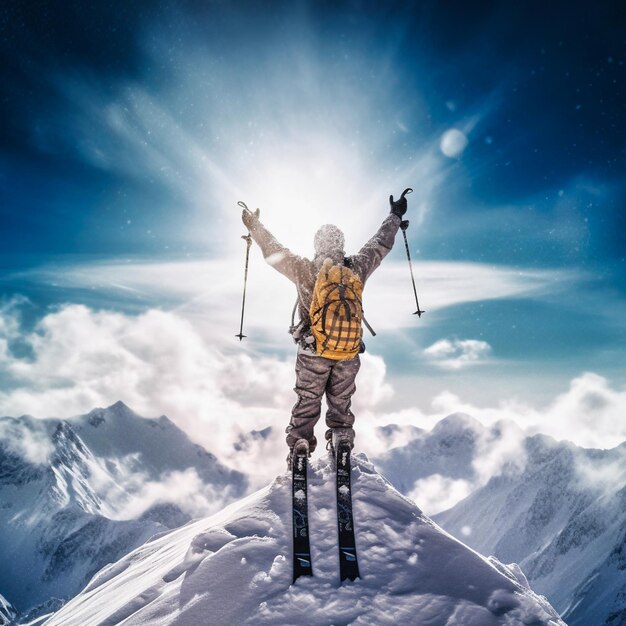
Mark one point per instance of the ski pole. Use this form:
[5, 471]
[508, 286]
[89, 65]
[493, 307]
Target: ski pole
[404, 224]
[248, 240]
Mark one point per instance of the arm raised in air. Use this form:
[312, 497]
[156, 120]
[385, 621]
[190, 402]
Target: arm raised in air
[279, 257]
[376, 249]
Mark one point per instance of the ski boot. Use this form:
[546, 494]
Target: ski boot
[302, 445]
[334, 436]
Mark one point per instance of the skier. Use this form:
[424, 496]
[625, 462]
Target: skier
[319, 368]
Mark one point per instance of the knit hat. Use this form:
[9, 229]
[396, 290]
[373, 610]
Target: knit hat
[328, 239]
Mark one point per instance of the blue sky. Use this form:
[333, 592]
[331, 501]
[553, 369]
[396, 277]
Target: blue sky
[130, 133]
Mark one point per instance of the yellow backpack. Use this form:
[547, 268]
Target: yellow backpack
[337, 312]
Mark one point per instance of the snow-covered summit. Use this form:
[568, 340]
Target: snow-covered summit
[154, 443]
[235, 568]
[457, 424]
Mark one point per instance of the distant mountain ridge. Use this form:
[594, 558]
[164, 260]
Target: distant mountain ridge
[449, 449]
[63, 483]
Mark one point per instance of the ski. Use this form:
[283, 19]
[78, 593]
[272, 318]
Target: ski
[348, 564]
[301, 546]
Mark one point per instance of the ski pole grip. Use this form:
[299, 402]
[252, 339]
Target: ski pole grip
[242, 204]
[408, 190]
[404, 224]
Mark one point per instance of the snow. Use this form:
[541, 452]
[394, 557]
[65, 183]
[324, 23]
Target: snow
[555, 508]
[559, 513]
[235, 568]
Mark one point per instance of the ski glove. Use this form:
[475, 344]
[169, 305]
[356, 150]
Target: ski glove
[399, 206]
[249, 218]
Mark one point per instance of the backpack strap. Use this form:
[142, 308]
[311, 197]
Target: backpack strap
[347, 261]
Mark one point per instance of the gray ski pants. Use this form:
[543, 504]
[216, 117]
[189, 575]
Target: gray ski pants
[315, 376]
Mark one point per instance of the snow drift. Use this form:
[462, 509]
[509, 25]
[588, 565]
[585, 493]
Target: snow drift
[235, 568]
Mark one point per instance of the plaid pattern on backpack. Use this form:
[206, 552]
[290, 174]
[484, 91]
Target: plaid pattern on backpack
[337, 312]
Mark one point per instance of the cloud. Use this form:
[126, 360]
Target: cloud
[32, 443]
[208, 292]
[185, 489]
[437, 493]
[10, 322]
[498, 450]
[590, 411]
[457, 353]
[294, 154]
[157, 362]
[608, 473]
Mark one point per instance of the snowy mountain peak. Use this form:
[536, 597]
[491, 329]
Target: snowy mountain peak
[165, 422]
[119, 406]
[236, 568]
[118, 410]
[458, 424]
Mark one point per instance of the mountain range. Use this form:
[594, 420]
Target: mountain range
[79, 494]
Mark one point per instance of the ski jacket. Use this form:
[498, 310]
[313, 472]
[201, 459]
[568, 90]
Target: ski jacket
[303, 272]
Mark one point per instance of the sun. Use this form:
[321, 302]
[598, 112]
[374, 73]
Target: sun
[301, 186]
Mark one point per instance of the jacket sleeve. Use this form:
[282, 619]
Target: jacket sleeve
[279, 257]
[376, 249]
